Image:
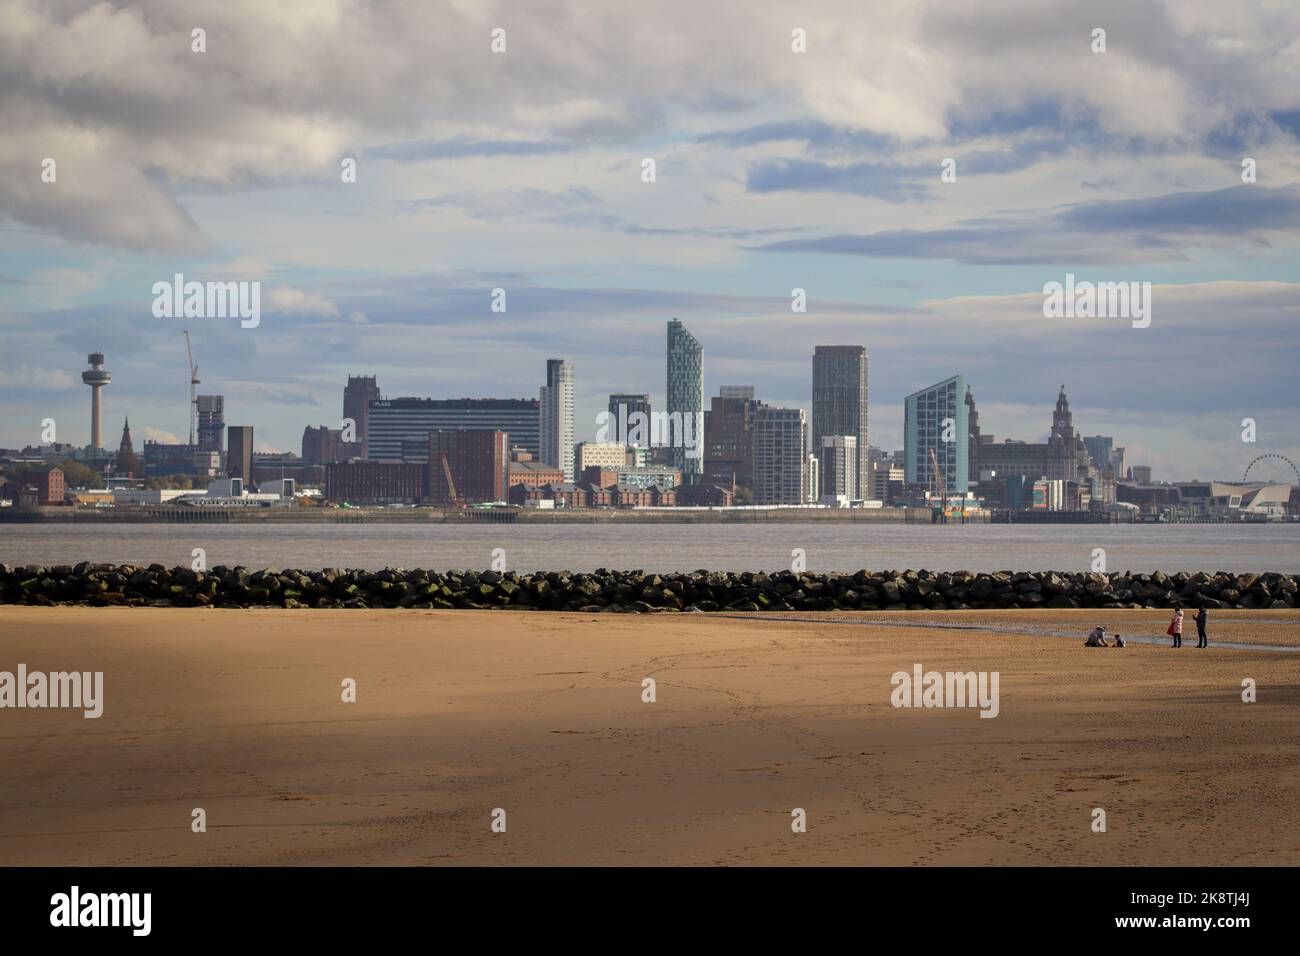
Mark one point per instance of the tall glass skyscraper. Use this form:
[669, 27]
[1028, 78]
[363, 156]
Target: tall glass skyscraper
[839, 402]
[685, 402]
[556, 425]
[938, 418]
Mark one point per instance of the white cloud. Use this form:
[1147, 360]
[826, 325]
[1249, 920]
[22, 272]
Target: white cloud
[293, 301]
[136, 120]
[29, 377]
[149, 433]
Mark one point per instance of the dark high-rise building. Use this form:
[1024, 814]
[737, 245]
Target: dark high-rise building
[685, 404]
[212, 422]
[393, 421]
[479, 463]
[322, 445]
[839, 399]
[360, 391]
[729, 437]
[622, 406]
[239, 457]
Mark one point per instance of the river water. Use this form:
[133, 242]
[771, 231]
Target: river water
[669, 547]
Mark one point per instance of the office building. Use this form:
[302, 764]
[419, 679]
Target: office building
[160, 459]
[239, 454]
[479, 464]
[322, 445]
[555, 424]
[780, 455]
[622, 426]
[533, 474]
[744, 392]
[360, 391]
[937, 419]
[1100, 448]
[685, 364]
[729, 437]
[633, 476]
[1141, 474]
[839, 398]
[394, 420]
[211, 410]
[590, 454]
[373, 482]
[1119, 461]
[838, 467]
[886, 476]
[1063, 457]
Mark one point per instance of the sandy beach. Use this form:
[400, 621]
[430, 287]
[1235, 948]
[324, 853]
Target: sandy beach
[460, 712]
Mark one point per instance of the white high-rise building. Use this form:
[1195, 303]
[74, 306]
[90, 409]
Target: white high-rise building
[812, 480]
[839, 467]
[556, 425]
[780, 456]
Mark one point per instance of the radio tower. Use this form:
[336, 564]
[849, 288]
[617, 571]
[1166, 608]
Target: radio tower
[96, 377]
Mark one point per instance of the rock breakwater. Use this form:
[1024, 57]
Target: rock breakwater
[636, 591]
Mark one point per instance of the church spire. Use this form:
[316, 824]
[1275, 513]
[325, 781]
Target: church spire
[126, 437]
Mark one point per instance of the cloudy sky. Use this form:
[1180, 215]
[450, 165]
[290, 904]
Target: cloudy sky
[775, 170]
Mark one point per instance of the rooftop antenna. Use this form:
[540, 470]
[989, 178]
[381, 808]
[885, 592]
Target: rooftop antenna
[194, 380]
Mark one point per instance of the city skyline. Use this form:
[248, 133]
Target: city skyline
[775, 183]
[359, 390]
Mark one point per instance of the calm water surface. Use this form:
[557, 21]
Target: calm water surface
[828, 547]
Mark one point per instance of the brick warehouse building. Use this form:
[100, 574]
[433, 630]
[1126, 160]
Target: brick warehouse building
[373, 482]
[48, 483]
[479, 461]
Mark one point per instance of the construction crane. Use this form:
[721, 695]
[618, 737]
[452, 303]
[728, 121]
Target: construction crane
[451, 484]
[939, 480]
[194, 381]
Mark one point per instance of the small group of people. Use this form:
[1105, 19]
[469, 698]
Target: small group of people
[1176, 627]
[1097, 638]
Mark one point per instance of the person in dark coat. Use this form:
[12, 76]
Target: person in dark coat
[1201, 617]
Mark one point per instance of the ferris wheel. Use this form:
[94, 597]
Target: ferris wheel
[1271, 456]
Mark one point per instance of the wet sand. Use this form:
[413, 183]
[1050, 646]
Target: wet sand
[458, 713]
